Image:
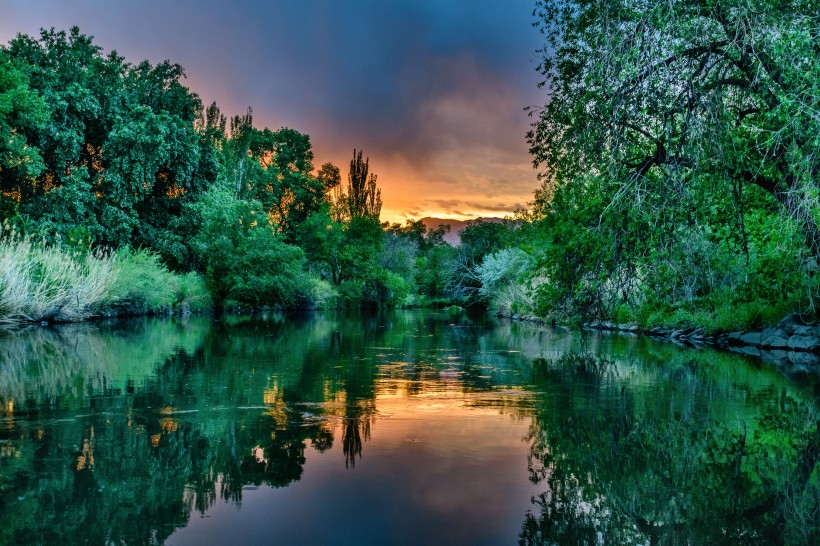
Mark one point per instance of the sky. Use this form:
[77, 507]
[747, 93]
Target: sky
[433, 91]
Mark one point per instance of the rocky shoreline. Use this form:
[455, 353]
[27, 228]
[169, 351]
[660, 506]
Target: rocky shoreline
[791, 344]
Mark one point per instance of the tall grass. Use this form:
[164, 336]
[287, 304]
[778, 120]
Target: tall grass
[40, 282]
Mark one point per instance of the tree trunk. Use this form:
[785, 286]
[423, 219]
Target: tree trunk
[796, 203]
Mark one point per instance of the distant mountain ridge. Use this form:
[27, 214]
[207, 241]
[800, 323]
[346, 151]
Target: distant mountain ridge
[456, 226]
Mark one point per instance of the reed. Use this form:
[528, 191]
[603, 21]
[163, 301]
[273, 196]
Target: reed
[47, 283]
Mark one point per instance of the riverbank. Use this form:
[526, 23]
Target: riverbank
[42, 283]
[791, 344]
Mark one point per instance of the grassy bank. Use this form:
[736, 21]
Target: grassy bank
[40, 282]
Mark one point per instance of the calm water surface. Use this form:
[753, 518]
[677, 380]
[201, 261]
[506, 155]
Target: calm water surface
[403, 427]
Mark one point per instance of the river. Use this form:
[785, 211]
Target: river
[396, 427]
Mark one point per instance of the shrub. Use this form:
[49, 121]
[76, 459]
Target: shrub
[320, 294]
[40, 282]
[192, 294]
[245, 261]
[502, 275]
[141, 285]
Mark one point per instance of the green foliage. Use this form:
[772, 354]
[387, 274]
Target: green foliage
[42, 282]
[192, 294]
[391, 289]
[663, 185]
[118, 153]
[503, 277]
[97, 153]
[321, 238]
[351, 292]
[478, 240]
[141, 285]
[21, 110]
[320, 294]
[245, 261]
[364, 200]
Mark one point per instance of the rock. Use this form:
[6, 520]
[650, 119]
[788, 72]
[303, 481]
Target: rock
[734, 338]
[807, 360]
[803, 343]
[608, 325]
[677, 334]
[516, 317]
[805, 331]
[775, 338]
[790, 322]
[778, 358]
[752, 338]
[748, 350]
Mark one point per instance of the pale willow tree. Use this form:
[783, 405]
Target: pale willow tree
[658, 102]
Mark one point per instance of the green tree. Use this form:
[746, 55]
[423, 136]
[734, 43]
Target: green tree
[364, 198]
[652, 97]
[245, 261]
[120, 151]
[275, 168]
[321, 237]
[22, 111]
[673, 133]
[478, 240]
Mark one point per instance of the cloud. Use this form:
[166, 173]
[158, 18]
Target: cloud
[432, 92]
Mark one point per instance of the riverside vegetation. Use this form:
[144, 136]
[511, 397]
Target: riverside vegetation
[678, 155]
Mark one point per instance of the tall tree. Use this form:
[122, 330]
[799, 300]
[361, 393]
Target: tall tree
[120, 151]
[364, 198]
[22, 111]
[667, 100]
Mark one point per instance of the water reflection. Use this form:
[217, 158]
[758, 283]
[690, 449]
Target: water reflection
[682, 468]
[120, 432]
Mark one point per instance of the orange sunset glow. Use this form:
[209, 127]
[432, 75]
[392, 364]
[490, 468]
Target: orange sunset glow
[434, 98]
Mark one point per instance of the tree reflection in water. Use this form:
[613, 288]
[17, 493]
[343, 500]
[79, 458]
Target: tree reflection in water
[119, 432]
[623, 471]
[356, 427]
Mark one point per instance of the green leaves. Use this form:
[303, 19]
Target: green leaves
[670, 130]
[21, 110]
[98, 142]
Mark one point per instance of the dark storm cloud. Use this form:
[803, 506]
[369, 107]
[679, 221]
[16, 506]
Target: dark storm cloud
[420, 83]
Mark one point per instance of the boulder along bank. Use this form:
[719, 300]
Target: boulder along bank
[791, 345]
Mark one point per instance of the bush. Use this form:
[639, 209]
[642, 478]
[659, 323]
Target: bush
[141, 285]
[192, 294]
[502, 276]
[245, 261]
[40, 282]
[350, 292]
[320, 294]
[393, 289]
